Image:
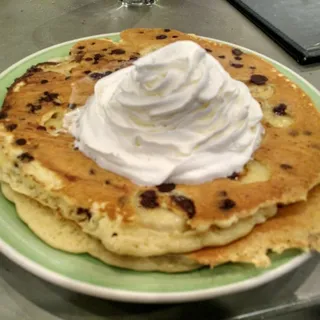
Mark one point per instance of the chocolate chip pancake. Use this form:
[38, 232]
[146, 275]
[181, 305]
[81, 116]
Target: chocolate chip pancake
[294, 227]
[38, 159]
[67, 236]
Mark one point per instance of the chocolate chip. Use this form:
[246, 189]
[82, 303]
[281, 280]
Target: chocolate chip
[186, 204]
[93, 43]
[41, 128]
[222, 57]
[87, 71]
[92, 172]
[34, 69]
[208, 50]
[75, 148]
[25, 157]
[71, 177]
[72, 106]
[258, 79]
[280, 205]
[88, 59]
[107, 182]
[293, 133]
[81, 47]
[280, 110]
[148, 199]
[10, 127]
[105, 49]
[166, 187]
[114, 235]
[237, 52]
[234, 176]
[252, 67]
[44, 81]
[162, 36]
[98, 75]
[134, 58]
[227, 204]
[118, 51]
[3, 115]
[81, 211]
[51, 96]
[80, 52]
[48, 96]
[6, 107]
[285, 166]
[21, 142]
[237, 65]
[307, 133]
[222, 193]
[97, 57]
[16, 165]
[174, 36]
[238, 58]
[33, 108]
[167, 30]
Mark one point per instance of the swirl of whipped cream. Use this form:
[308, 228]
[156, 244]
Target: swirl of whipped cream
[174, 116]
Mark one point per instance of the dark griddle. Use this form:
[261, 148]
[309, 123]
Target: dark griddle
[293, 24]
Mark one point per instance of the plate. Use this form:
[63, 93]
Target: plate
[84, 274]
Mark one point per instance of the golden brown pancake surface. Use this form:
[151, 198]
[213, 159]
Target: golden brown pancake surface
[42, 158]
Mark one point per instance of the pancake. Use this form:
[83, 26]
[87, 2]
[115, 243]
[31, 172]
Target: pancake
[67, 236]
[296, 226]
[38, 159]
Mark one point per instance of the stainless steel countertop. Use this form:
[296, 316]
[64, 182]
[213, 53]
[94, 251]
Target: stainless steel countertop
[27, 26]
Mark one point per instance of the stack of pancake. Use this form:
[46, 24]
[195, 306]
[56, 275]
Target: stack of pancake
[76, 206]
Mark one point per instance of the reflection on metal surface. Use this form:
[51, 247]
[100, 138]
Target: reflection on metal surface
[48, 302]
[128, 3]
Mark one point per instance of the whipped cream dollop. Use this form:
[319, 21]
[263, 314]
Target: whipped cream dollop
[175, 115]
